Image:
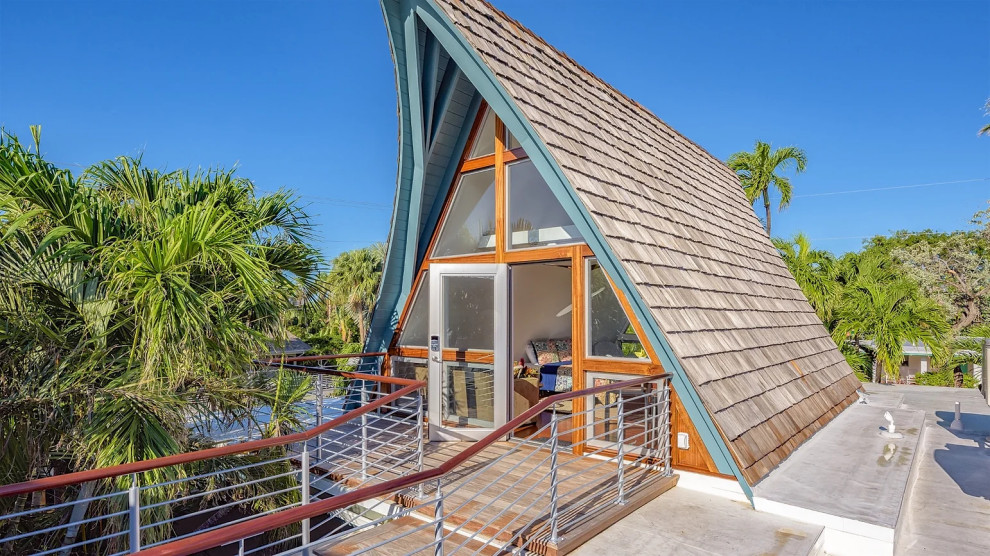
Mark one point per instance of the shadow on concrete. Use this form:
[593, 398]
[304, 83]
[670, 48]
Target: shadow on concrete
[974, 424]
[968, 466]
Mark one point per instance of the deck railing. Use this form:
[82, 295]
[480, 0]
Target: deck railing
[531, 495]
[369, 429]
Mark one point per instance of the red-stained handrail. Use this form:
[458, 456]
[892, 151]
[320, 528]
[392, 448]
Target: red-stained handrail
[274, 361]
[409, 386]
[258, 525]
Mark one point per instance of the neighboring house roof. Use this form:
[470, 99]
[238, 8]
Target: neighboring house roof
[907, 347]
[293, 346]
[761, 361]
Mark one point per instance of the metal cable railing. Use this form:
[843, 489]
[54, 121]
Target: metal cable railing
[531, 494]
[363, 435]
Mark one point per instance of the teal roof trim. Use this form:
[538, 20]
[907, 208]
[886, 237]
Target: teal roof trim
[433, 220]
[484, 80]
[400, 261]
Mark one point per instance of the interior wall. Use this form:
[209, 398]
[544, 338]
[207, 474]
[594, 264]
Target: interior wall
[539, 292]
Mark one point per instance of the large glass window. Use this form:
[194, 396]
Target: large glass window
[416, 329]
[610, 332]
[484, 141]
[510, 141]
[535, 217]
[469, 313]
[469, 226]
[469, 325]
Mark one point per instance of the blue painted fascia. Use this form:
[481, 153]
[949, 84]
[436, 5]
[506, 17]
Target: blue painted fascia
[433, 220]
[399, 265]
[484, 80]
[448, 85]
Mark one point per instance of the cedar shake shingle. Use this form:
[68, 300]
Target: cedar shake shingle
[684, 233]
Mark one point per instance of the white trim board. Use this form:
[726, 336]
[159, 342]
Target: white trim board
[709, 484]
[842, 536]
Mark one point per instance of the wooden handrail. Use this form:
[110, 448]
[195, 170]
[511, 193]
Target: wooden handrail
[230, 449]
[317, 371]
[258, 525]
[274, 361]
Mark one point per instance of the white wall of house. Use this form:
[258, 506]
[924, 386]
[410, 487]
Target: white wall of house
[916, 364]
[539, 292]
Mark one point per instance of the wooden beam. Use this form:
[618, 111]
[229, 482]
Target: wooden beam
[621, 366]
[448, 84]
[466, 259]
[486, 161]
[431, 59]
[540, 254]
[578, 337]
[500, 196]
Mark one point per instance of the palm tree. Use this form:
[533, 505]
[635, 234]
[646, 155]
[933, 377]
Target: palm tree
[887, 309]
[814, 270]
[758, 173]
[354, 278]
[132, 302]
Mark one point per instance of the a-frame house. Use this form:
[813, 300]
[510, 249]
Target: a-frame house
[544, 221]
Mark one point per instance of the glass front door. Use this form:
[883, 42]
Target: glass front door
[469, 372]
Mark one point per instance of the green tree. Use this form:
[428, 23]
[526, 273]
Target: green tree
[352, 284]
[760, 171]
[813, 270]
[954, 270]
[882, 306]
[132, 302]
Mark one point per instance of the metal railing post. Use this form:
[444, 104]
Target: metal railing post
[620, 477]
[666, 428]
[319, 416]
[305, 492]
[319, 399]
[364, 435]
[134, 513]
[438, 522]
[419, 440]
[240, 547]
[554, 444]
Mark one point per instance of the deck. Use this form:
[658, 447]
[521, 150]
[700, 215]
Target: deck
[512, 507]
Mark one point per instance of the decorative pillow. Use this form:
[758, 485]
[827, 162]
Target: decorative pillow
[564, 381]
[531, 355]
[564, 350]
[545, 352]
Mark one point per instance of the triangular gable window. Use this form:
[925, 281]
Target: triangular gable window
[415, 331]
[484, 140]
[610, 331]
[510, 141]
[536, 218]
[469, 226]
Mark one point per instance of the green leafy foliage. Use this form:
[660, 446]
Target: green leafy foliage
[760, 172]
[132, 302]
[943, 378]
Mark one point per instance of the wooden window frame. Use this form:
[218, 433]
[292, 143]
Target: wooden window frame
[578, 253]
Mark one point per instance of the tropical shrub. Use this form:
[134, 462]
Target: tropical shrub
[943, 378]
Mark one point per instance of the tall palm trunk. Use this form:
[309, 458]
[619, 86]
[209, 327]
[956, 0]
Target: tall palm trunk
[766, 205]
[362, 327]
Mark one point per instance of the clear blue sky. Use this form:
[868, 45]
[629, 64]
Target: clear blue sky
[302, 94]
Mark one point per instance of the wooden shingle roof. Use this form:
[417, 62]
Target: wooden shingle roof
[760, 359]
